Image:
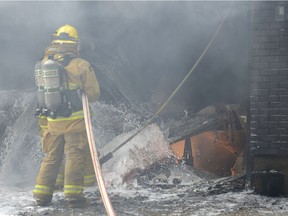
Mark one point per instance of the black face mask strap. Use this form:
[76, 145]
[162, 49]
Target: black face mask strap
[66, 60]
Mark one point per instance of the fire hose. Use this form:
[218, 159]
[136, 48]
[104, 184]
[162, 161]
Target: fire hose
[109, 155]
[95, 160]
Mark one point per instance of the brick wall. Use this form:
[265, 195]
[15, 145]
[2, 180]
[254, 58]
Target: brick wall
[269, 79]
[268, 108]
[268, 140]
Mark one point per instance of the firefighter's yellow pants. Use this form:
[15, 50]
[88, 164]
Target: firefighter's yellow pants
[89, 177]
[76, 149]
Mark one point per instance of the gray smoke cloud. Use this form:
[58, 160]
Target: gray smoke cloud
[150, 46]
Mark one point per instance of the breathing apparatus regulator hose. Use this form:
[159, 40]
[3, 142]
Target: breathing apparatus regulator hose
[109, 155]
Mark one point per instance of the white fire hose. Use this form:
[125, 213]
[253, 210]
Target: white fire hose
[94, 155]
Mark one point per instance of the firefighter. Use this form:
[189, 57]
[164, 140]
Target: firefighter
[65, 118]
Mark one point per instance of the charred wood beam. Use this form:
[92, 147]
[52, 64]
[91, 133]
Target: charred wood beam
[188, 126]
[186, 130]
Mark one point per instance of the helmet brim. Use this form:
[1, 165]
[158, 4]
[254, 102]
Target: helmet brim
[64, 42]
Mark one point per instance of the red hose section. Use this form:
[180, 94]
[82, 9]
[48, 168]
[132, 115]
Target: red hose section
[94, 155]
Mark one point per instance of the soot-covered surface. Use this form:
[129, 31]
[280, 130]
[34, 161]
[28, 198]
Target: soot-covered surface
[193, 196]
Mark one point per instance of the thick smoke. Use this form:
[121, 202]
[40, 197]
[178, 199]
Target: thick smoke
[146, 48]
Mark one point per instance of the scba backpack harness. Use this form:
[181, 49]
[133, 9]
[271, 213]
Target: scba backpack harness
[54, 96]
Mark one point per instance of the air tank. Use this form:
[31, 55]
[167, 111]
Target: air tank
[52, 85]
[39, 84]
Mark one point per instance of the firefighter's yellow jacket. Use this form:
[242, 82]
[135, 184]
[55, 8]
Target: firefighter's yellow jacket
[80, 75]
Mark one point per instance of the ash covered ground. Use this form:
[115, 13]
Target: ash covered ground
[157, 188]
[194, 195]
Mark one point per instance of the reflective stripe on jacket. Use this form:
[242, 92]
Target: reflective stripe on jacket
[42, 122]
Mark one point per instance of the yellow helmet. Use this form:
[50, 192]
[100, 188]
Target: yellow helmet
[65, 34]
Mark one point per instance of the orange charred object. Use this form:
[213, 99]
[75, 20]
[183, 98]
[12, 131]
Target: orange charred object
[217, 152]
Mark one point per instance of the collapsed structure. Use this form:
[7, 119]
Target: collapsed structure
[266, 130]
